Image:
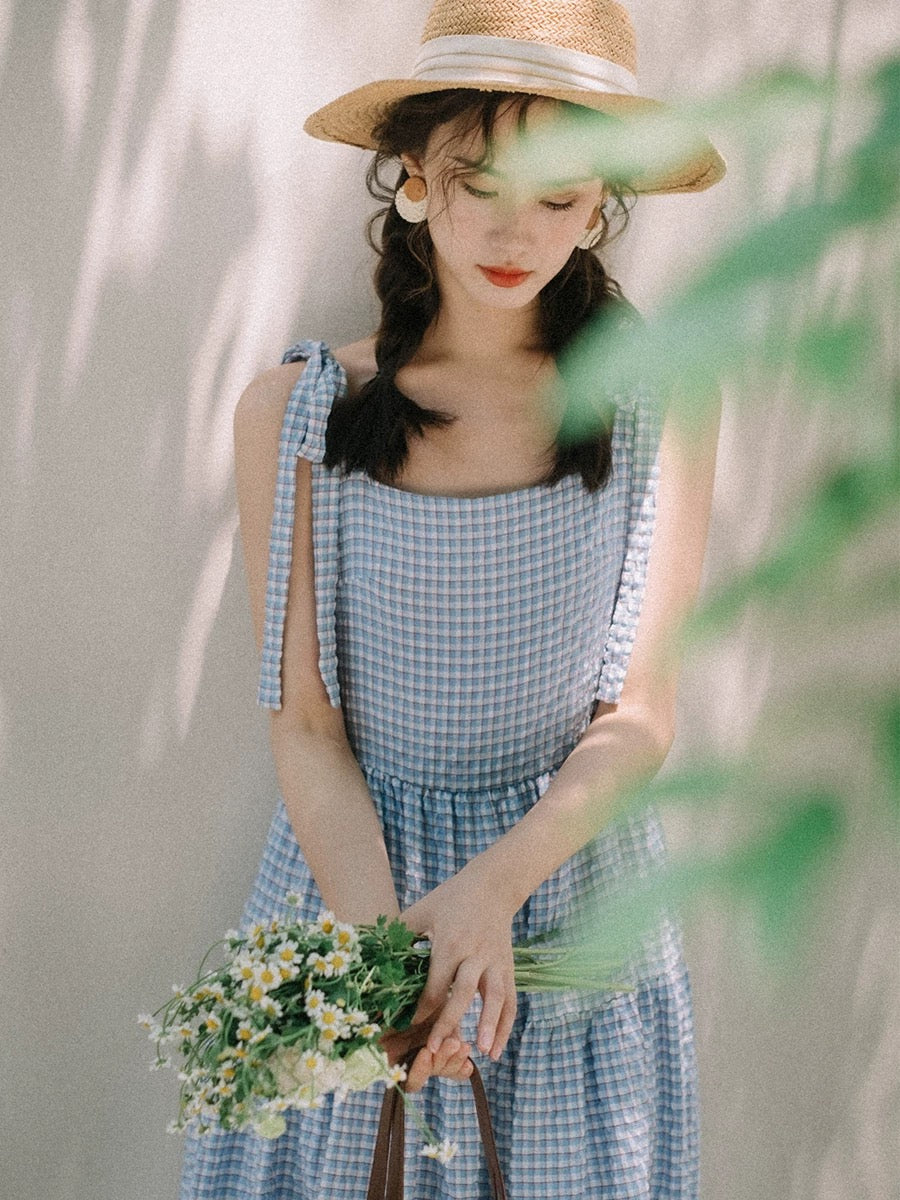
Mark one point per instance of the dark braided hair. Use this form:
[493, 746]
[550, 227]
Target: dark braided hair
[370, 431]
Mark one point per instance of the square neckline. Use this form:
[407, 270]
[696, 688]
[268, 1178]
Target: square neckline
[449, 498]
[508, 494]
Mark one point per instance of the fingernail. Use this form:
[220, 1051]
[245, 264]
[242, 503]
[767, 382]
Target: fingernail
[434, 1044]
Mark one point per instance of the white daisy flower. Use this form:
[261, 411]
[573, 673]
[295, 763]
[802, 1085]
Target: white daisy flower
[369, 1031]
[394, 1075]
[345, 937]
[320, 964]
[330, 1016]
[266, 974]
[270, 1006]
[286, 953]
[242, 969]
[326, 922]
[443, 1151]
[338, 963]
[315, 998]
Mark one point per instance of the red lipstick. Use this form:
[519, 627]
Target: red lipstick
[504, 276]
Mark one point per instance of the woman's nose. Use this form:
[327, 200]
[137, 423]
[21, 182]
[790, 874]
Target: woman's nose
[512, 223]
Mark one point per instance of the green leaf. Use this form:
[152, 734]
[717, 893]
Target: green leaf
[399, 936]
[782, 875]
[887, 727]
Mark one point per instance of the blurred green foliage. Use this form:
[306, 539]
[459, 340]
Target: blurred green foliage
[752, 322]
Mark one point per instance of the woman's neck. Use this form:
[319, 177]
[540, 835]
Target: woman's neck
[465, 330]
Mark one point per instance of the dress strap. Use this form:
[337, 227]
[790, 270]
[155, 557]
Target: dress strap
[303, 436]
[644, 432]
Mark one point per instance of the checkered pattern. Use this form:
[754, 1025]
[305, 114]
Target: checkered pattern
[467, 640]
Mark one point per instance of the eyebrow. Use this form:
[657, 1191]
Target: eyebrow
[549, 185]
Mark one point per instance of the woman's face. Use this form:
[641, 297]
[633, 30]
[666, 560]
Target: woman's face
[500, 243]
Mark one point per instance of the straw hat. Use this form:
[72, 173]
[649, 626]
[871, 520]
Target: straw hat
[582, 51]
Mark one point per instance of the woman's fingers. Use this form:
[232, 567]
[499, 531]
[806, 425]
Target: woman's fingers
[461, 995]
[491, 1009]
[438, 986]
[504, 1027]
[420, 1071]
[498, 1010]
[451, 1061]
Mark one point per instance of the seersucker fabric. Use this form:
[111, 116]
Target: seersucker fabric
[468, 640]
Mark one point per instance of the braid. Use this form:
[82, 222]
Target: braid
[370, 431]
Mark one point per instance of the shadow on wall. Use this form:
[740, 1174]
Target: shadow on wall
[169, 229]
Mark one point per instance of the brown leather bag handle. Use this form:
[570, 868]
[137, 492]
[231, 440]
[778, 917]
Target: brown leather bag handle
[386, 1178]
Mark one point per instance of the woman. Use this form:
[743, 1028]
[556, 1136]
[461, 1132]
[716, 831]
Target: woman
[447, 601]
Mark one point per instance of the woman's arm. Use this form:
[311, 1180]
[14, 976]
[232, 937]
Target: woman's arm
[469, 917]
[324, 791]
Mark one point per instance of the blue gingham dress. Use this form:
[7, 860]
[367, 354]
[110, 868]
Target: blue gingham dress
[468, 641]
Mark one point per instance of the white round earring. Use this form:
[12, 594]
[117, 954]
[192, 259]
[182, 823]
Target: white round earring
[411, 200]
[591, 236]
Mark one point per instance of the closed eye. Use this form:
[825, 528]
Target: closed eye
[553, 205]
[476, 191]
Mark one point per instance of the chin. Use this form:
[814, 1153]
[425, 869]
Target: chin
[508, 298]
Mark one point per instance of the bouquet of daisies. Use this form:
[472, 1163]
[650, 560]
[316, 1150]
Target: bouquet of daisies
[296, 1012]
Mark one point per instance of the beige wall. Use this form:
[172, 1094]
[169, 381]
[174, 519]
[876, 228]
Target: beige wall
[167, 229]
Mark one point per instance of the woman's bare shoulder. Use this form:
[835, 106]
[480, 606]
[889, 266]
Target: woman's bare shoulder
[263, 401]
[358, 361]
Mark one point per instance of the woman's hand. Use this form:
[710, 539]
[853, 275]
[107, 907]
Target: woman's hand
[450, 1061]
[471, 952]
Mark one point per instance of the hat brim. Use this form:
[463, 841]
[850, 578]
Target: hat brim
[351, 118]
